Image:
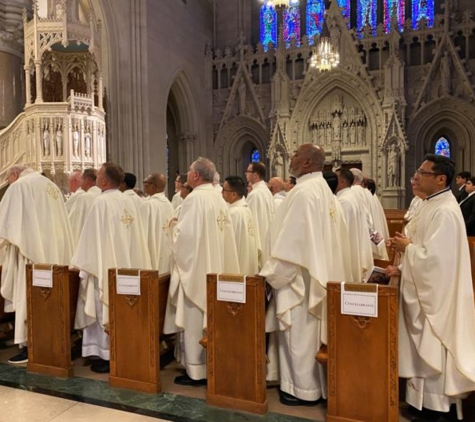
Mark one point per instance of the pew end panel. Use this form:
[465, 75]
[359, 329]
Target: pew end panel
[136, 323]
[235, 346]
[363, 360]
[50, 319]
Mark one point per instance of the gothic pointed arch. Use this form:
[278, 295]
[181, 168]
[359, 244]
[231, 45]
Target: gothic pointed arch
[236, 141]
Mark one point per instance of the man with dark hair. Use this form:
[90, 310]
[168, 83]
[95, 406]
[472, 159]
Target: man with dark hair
[202, 243]
[127, 187]
[177, 199]
[437, 320]
[261, 204]
[460, 181]
[289, 184]
[111, 237]
[233, 193]
[360, 256]
[332, 180]
[306, 254]
[370, 184]
[467, 206]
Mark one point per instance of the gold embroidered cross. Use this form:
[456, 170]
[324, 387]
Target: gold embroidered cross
[221, 220]
[250, 228]
[51, 191]
[127, 219]
[332, 213]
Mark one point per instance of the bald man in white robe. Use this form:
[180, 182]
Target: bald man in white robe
[306, 254]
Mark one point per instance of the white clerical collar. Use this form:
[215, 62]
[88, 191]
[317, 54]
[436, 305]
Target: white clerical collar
[462, 187]
[259, 184]
[204, 186]
[438, 193]
[239, 203]
[158, 195]
[308, 176]
[112, 190]
[342, 191]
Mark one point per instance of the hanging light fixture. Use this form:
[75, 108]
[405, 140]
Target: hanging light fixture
[278, 4]
[325, 56]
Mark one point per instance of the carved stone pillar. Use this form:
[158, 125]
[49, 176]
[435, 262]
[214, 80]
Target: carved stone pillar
[189, 142]
[100, 92]
[27, 84]
[39, 82]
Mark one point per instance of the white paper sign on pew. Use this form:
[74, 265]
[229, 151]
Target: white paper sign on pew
[231, 288]
[359, 299]
[43, 277]
[127, 284]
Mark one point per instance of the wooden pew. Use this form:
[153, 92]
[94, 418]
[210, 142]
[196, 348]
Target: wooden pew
[235, 344]
[50, 316]
[136, 324]
[363, 360]
[395, 220]
[6, 320]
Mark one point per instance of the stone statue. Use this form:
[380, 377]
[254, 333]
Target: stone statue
[59, 141]
[76, 143]
[393, 166]
[87, 144]
[278, 165]
[445, 74]
[46, 145]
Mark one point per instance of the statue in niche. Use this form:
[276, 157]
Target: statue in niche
[361, 140]
[242, 97]
[59, 141]
[87, 144]
[352, 133]
[76, 143]
[46, 140]
[344, 134]
[336, 138]
[278, 165]
[393, 166]
[445, 74]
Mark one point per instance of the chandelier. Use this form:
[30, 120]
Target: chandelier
[324, 55]
[278, 4]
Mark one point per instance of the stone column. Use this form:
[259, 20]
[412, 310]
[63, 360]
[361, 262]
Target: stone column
[39, 82]
[27, 84]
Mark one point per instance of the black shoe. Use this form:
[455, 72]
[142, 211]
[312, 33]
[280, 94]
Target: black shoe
[290, 400]
[101, 367]
[189, 382]
[22, 357]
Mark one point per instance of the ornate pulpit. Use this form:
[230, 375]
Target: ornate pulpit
[50, 315]
[363, 358]
[136, 323]
[236, 343]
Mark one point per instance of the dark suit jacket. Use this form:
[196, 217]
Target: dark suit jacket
[468, 212]
[461, 194]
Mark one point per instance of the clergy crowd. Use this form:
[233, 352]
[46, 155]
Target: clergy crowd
[299, 234]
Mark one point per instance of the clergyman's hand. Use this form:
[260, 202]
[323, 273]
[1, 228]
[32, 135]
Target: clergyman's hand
[392, 271]
[399, 242]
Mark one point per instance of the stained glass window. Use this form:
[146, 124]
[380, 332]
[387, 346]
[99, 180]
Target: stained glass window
[291, 17]
[366, 15]
[268, 25]
[345, 5]
[315, 15]
[422, 9]
[391, 6]
[255, 155]
[442, 147]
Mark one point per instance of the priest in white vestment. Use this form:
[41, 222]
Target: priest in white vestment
[127, 187]
[306, 254]
[155, 214]
[361, 255]
[34, 229]
[436, 318]
[202, 243]
[112, 237]
[74, 187]
[234, 190]
[81, 203]
[177, 199]
[276, 186]
[261, 204]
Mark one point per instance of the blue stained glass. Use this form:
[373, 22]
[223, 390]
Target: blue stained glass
[366, 15]
[442, 147]
[268, 25]
[388, 13]
[315, 16]
[291, 25]
[345, 5]
[255, 156]
[422, 9]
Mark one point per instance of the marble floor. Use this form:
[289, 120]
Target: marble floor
[88, 397]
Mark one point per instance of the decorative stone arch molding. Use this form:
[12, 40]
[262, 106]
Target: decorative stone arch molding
[448, 117]
[235, 141]
[318, 87]
[182, 100]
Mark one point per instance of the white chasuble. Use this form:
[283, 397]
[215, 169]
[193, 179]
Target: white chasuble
[437, 318]
[155, 214]
[245, 235]
[78, 211]
[34, 228]
[262, 205]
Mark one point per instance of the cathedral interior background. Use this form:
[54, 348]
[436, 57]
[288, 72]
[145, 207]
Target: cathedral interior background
[153, 84]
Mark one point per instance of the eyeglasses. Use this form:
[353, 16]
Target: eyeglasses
[426, 173]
